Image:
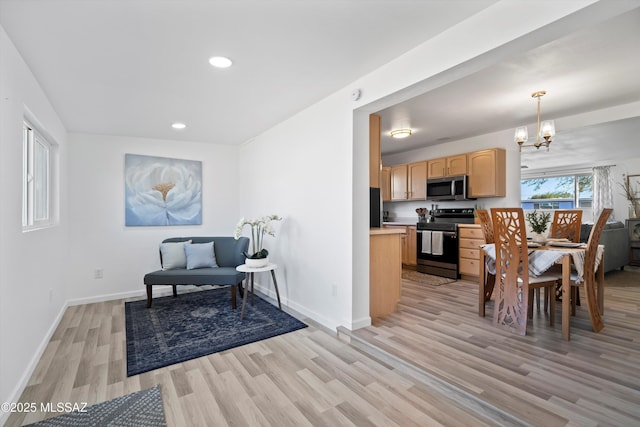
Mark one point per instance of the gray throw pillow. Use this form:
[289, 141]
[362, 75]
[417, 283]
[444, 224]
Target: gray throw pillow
[200, 255]
[173, 255]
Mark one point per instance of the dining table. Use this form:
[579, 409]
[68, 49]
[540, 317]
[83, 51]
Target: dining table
[541, 258]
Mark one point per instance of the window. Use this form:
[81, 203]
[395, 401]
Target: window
[37, 179]
[558, 192]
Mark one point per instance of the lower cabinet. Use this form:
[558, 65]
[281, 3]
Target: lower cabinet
[409, 243]
[470, 237]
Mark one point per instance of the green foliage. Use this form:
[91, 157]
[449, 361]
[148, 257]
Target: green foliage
[585, 184]
[553, 195]
[538, 221]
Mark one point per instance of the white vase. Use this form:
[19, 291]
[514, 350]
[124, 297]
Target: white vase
[257, 262]
[538, 237]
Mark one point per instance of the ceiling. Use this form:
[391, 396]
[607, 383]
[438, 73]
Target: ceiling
[593, 69]
[134, 67]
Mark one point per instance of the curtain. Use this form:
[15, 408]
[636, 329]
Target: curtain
[602, 190]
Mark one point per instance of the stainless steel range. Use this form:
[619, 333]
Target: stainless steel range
[437, 244]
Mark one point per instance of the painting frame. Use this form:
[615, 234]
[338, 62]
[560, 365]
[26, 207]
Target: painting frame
[162, 191]
[633, 184]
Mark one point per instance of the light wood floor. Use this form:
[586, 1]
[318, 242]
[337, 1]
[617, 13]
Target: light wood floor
[594, 379]
[309, 377]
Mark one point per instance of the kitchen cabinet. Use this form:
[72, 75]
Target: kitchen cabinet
[408, 243]
[447, 166]
[470, 237]
[385, 271]
[409, 181]
[385, 183]
[487, 173]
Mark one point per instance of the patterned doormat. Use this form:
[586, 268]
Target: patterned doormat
[428, 279]
[196, 324]
[141, 409]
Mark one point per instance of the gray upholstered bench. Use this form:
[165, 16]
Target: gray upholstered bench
[228, 255]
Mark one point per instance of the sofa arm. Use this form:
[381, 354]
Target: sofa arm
[616, 248]
[241, 246]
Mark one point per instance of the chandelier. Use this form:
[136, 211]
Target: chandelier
[545, 133]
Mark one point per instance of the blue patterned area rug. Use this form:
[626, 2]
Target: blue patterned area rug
[196, 324]
[141, 409]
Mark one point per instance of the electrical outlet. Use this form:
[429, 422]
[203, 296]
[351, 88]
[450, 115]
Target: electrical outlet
[334, 290]
[97, 273]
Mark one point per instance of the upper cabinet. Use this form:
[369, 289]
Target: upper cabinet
[447, 166]
[487, 173]
[408, 182]
[485, 170]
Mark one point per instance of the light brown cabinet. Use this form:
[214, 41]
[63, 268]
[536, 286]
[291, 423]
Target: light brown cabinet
[447, 166]
[385, 272]
[408, 243]
[470, 237]
[487, 173]
[385, 183]
[409, 181]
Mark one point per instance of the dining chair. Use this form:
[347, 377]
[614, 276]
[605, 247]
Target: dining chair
[589, 273]
[487, 230]
[511, 307]
[566, 225]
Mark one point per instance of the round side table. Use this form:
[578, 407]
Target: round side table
[250, 271]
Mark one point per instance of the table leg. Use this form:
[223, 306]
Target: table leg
[481, 283]
[600, 285]
[275, 285]
[246, 291]
[566, 297]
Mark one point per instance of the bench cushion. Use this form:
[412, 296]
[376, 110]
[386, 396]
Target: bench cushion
[200, 276]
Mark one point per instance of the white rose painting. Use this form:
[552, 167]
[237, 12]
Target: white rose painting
[162, 191]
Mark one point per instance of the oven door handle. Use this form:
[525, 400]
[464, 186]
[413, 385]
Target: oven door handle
[444, 233]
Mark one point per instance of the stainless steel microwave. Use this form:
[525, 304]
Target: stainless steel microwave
[447, 188]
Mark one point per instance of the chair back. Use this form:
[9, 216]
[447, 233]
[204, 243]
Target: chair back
[589, 274]
[485, 223]
[512, 270]
[566, 225]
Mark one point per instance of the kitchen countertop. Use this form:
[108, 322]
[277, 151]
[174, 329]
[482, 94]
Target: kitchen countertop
[468, 225]
[402, 221]
[384, 231]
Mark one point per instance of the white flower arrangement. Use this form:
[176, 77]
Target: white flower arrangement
[259, 227]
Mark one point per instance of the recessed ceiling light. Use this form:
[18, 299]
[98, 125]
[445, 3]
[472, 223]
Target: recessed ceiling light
[178, 126]
[220, 62]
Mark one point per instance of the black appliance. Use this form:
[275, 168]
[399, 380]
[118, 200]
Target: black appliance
[441, 235]
[375, 209]
[447, 188]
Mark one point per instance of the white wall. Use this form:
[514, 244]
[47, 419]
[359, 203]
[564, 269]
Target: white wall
[98, 236]
[301, 170]
[32, 265]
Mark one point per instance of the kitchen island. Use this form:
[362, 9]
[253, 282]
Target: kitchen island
[385, 270]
